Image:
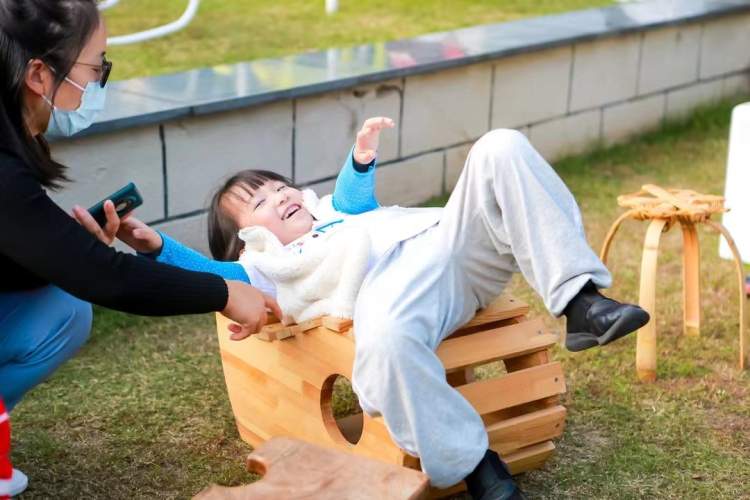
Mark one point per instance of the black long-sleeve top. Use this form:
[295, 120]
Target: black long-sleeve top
[40, 244]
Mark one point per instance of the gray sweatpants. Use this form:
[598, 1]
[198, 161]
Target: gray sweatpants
[509, 212]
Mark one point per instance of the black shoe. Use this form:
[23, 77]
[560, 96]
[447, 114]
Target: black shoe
[491, 480]
[594, 319]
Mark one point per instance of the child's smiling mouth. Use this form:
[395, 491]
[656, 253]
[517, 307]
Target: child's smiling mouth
[291, 210]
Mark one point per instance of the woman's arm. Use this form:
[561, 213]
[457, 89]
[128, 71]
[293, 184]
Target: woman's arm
[45, 245]
[158, 246]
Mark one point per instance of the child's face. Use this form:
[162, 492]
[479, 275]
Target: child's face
[274, 205]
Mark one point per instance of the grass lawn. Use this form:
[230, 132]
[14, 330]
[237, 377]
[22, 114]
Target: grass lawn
[142, 412]
[239, 30]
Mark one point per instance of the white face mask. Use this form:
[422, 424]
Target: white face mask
[64, 123]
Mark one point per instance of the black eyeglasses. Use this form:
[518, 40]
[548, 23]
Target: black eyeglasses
[105, 67]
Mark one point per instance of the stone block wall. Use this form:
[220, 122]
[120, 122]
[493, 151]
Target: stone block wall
[566, 99]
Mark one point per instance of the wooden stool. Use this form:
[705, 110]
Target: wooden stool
[663, 208]
[293, 469]
[285, 388]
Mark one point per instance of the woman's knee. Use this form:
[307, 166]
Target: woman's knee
[72, 319]
[81, 318]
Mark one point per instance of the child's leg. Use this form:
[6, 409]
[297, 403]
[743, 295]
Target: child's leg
[409, 302]
[510, 210]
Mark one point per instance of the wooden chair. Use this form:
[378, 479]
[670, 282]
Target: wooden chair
[284, 388]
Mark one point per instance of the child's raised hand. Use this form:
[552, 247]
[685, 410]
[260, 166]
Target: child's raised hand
[139, 236]
[368, 138]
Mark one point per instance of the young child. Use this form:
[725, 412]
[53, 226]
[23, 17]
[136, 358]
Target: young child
[429, 271]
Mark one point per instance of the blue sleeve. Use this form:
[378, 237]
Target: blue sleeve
[355, 191]
[177, 254]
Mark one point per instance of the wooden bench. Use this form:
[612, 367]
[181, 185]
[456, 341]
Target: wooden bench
[285, 387]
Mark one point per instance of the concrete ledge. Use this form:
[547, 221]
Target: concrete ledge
[568, 82]
[156, 99]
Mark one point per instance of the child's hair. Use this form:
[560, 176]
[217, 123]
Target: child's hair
[223, 240]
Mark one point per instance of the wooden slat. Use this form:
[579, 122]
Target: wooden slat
[526, 361]
[337, 324]
[515, 388]
[497, 343]
[305, 326]
[460, 377]
[503, 307]
[277, 331]
[529, 458]
[519, 432]
[520, 410]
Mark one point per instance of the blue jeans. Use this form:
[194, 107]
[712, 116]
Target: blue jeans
[39, 330]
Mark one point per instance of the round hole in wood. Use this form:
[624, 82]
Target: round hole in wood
[340, 409]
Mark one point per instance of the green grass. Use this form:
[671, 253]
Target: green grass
[143, 412]
[239, 30]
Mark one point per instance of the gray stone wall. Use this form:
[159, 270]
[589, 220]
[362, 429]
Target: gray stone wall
[565, 99]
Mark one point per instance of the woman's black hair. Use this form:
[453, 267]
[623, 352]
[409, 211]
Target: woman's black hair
[54, 31]
[223, 240]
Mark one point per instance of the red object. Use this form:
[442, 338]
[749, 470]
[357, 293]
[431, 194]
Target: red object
[6, 469]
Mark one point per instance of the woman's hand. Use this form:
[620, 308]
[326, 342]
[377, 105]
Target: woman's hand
[247, 307]
[134, 233]
[139, 236]
[105, 234]
[368, 138]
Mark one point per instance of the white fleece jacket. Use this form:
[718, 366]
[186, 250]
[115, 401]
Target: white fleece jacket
[321, 272]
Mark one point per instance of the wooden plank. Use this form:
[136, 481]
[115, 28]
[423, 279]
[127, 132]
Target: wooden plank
[519, 432]
[529, 458]
[514, 388]
[293, 469]
[517, 411]
[497, 343]
[249, 436]
[460, 377]
[308, 325]
[503, 307]
[526, 361]
[277, 331]
[337, 324]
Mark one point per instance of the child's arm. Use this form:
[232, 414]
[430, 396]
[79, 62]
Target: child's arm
[355, 185]
[175, 253]
[152, 244]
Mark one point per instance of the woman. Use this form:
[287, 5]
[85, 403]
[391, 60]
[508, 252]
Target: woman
[52, 80]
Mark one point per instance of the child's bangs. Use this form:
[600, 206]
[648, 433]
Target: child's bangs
[251, 180]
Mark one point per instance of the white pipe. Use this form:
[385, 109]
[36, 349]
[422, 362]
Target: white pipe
[332, 6]
[160, 31]
[106, 4]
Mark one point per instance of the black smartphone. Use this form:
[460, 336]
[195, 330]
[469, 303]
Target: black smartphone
[125, 200]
